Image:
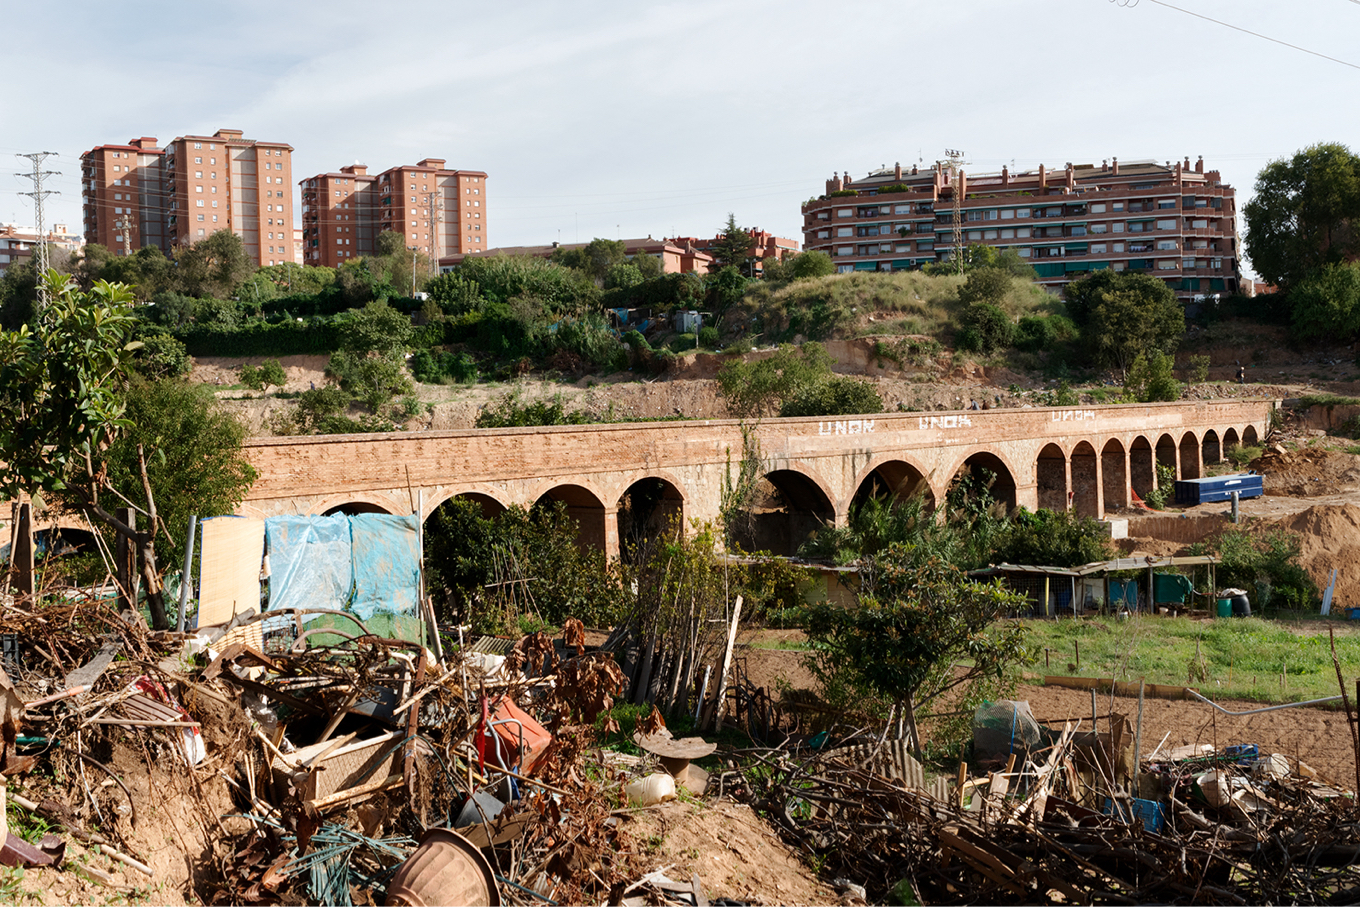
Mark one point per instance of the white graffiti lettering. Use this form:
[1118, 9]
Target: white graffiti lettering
[850, 427]
[956, 421]
[1074, 415]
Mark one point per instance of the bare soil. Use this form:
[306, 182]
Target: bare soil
[732, 850]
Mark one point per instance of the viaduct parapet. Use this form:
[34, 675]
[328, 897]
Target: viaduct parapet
[614, 477]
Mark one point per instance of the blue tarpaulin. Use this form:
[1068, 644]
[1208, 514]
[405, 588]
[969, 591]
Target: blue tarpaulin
[310, 562]
[386, 565]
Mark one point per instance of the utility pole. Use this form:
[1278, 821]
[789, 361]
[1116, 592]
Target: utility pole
[125, 224]
[434, 210]
[955, 160]
[39, 194]
[414, 250]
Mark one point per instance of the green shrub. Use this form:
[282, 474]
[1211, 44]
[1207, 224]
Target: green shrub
[443, 368]
[682, 343]
[509, 411]
[708, 338]
[1199, 368]
[984, 328]
[835, 396]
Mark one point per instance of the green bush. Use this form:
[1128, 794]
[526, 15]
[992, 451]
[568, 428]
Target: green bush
[834, 396]
[443, 368]
[510, 412]
[1150, 380]
[683, 343]
[161, 355]
[984, 328]
[708, 338]
[267, 374]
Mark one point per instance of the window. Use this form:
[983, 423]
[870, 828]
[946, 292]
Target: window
[1166, 203]
[845, 250]
[1166, 264]
[214, 218]
[476, 204]
[198, 174]
[1187, 263]
[1008, 233]
[1007, 214]
[1097, 207]
[214, 204]
[214, 189]
[1117, 206]
[845, 212]
[117, 210]
[1024, 252]
[200, 203]
[200, 217]
[198, 146]
[845, 231]
[902, 247]
[1098, 248]
[1165, 245]
[1118, 227]
[1119, 247]
[1166, 225]
[1022, 232]
[198, 160]
[989, 234]
[1199, 225]
[1022, 212]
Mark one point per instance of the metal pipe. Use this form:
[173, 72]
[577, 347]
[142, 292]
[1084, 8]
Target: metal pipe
[184, 580]
[1269, 708]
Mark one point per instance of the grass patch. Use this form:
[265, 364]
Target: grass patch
[1235, 658]
[1327, 400]
[782, 645]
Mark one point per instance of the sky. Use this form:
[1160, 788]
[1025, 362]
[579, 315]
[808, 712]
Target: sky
[611, 119]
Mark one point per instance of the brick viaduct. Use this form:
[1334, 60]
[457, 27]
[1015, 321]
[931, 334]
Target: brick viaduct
[613, 477]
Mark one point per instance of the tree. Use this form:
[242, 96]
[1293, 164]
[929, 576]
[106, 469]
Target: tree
[195, 462]
[594, 259]
[726, 288]
[809, 264]
[1052, 538]
[213, 266]
[985, 285]
[984, 328]
[924, 630]
[755, 389]
[455, 293]
[61, 405]
[1150, 378]
[371, 362]
[267, 374]
[733, 246]
[1305, 214]
[1123, 314]
[1326, 304]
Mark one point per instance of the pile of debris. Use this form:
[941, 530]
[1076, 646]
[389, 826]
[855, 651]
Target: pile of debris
[359, 767]
[1067, 816]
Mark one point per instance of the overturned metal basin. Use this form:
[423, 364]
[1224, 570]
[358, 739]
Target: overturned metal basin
[445, 869]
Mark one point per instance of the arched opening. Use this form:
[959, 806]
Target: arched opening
[1189, 456]
[894, 479]
[1166, 453]
[649, 509]
[1114, 476]
[1249, 436]
[1051, 471]
[583, 507]
[1210, 448]
[490, 507]
[355, 507]
[1085, 500]
[1142, 478]
[785, 509]
[1230, 440]
[983, 472]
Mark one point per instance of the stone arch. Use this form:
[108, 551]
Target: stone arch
[350, 504]
[585, 507]
[484, 496]
[1249, 436]
[1166, 453]
[895, 478]
[787, 507]
[1230, 440]
[1211, 448]
[1114, 476]
[1189, 448]
[1050, 469]
[1085, 480]
[648, 509]
[1003, 476]
[1142, 476]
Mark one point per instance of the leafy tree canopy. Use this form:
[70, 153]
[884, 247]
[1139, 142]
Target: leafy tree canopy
[1325, 305]
[758, 388]
[504, 277]
[214, 266]
[1305, 214]
[1123, 314]
[733, 246]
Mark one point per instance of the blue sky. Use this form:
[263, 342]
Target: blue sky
[625, 119]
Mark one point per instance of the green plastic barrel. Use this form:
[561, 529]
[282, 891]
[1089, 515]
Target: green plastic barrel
[1225, 607]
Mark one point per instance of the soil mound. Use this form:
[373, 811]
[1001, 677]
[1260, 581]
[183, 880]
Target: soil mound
[1307, 471]
[1330, 535]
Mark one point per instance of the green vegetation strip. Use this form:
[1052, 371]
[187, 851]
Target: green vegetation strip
[1234, 658]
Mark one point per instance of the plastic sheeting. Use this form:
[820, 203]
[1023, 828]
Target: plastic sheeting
[386, 565]
[311, 562]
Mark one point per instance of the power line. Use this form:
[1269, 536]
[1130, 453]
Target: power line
[1245, 31]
